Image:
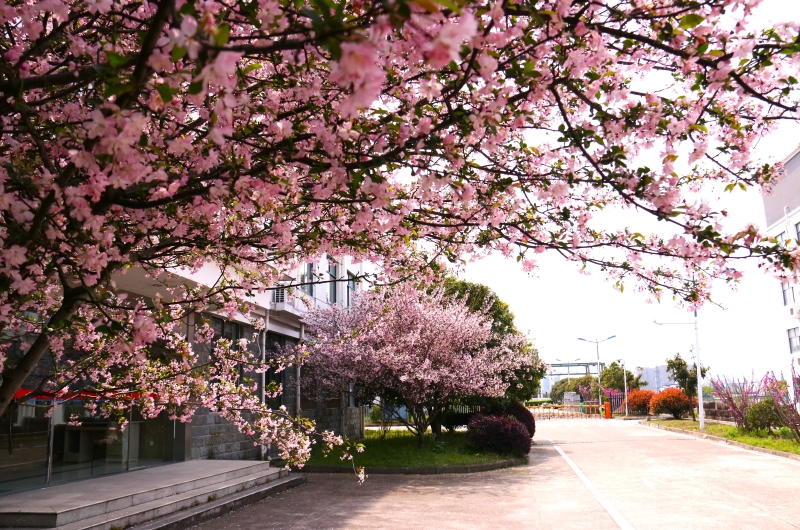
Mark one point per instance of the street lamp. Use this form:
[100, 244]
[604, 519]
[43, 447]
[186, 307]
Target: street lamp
[625, 383]
[700, 411]
[572, 361]
[597, 347]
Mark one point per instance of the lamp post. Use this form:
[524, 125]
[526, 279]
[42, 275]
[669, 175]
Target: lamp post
[625, 383]
[700, 411]
[597, 347]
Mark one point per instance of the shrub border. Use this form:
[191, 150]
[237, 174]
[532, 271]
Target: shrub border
[755, 448]
[419, 470]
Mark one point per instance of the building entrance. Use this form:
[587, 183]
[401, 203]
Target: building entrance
[38, 450]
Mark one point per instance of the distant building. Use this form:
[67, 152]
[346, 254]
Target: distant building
[782, 210]
[657, 378]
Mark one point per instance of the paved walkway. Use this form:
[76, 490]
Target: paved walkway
[598, 475]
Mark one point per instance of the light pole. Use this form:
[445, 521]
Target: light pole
[625, 383]
[700, 411]
[597, 347]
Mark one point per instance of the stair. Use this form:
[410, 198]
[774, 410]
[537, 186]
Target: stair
[154, 498]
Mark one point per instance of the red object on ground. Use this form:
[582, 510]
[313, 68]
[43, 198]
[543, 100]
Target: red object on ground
[608, 410]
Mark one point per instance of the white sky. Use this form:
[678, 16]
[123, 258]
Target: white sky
[557, 304]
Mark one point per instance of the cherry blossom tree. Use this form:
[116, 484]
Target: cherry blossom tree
[419, 349]
[255, 134]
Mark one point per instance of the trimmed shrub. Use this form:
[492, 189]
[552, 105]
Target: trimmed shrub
[671, 401]
[520, 412]
[452, 419]
[499, 434]
[639, 401]
[764, 415]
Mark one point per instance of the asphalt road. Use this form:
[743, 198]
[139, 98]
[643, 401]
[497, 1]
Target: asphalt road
[595, 474]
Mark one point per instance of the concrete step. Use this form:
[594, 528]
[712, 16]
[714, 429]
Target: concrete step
[148, 511]
[105, 495]
[211, 510]
[200, 502]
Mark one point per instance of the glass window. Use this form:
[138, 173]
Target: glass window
[351, 288]
[333, 273]
[788, 293]
[794, 340]
[306, 278]
[797, 232]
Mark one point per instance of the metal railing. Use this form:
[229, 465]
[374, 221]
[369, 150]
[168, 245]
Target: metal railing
[577, 410]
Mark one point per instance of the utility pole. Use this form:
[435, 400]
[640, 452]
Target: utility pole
[700, 411]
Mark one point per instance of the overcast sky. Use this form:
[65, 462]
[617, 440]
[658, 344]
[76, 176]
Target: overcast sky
[557, 305]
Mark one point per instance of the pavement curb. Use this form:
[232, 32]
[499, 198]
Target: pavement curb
[695, 434]
[421, 470]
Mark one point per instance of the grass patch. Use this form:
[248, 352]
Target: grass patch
[399, 449]
[779, 441]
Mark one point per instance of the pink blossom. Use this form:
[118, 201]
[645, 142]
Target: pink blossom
[446, 45]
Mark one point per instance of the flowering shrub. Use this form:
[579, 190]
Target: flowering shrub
[520, 412]
[787, 402]
[671, 401]
[499, 434]
[424, 349]
[737, 395]
[639, 401]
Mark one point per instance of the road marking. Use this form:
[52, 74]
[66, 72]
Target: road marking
[612, 511]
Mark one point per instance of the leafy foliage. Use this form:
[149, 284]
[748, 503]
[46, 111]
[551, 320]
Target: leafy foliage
[639, 401]
[611, 377]
[764, 414]
[572, 384]
[671, 401]
[523, 382]
[520, 412]
[499, 434]
[685, 378]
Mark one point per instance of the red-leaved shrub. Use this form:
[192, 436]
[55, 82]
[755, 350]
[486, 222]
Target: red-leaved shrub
[639, 401]
[521, 413]
[671, 401]
[499, 434]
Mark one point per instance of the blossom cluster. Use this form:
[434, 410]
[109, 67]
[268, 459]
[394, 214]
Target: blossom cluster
[151, 139]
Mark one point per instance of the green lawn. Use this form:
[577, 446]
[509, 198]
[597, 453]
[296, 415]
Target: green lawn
[399, 449]
[754, 438]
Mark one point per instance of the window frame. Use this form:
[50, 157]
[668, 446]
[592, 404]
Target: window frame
[333, 272]
[794, 339]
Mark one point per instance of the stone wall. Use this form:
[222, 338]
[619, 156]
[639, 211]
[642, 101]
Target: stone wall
[717, 411]
[214, 437]
[330, 419]
[211, 435]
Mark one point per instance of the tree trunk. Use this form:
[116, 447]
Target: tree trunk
[13, 378]
[436, 424]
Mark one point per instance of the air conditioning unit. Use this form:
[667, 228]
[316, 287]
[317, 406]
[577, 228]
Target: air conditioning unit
[279, 295]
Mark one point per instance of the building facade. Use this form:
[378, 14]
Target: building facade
[782, 210]
[42, 442]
